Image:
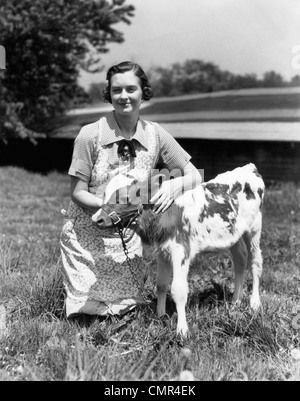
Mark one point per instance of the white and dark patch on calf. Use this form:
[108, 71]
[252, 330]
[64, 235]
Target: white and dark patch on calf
[221, 201]
[248, 191]
[261, 192]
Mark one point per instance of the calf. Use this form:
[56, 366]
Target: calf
[224, 213]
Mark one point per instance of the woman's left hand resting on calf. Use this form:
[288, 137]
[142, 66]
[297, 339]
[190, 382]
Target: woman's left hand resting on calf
[171, 189]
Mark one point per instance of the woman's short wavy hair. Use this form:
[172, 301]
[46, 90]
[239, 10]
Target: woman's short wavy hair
[126, 66]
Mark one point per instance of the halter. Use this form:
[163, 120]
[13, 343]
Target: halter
[117, 221]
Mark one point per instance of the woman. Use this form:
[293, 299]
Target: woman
[98, 280]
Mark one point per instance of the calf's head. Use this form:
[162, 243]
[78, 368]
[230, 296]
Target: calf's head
[126, 203]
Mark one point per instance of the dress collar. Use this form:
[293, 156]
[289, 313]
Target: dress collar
[112, 133]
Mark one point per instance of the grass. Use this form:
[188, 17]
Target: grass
[38, 343]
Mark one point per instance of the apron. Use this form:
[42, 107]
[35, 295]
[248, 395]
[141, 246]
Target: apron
[97, 278]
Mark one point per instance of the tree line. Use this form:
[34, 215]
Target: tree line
[198, 76]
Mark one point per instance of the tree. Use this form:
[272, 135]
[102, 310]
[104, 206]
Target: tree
[272, 79]
[193, 76]
[47, 42]
[95, 91]
[161, 81]
[295, 80]
[244, 81]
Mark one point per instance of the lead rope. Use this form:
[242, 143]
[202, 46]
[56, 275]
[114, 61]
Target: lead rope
[139, 287]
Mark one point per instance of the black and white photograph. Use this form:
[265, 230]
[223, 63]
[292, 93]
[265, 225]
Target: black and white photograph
[149, 193]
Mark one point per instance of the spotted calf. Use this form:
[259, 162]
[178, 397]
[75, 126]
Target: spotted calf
[221, 214]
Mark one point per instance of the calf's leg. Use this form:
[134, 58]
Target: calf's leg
[179, 287]
[163, 280]
[239, 257]
[256, 264]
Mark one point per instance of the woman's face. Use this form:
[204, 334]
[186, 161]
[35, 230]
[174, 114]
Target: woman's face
[126, 92]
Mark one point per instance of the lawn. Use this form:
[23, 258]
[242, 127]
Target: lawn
[38, 343]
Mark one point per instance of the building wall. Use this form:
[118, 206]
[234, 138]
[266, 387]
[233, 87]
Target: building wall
[276, 161]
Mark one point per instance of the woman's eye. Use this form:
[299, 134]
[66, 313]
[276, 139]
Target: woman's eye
[120, 90]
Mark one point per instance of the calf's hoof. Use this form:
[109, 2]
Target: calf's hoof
[182, 331]
[255, 303]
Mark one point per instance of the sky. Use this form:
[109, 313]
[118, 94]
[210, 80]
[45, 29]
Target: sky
[240, 36]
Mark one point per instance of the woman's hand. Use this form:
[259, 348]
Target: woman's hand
[171, 189]
[165, 196]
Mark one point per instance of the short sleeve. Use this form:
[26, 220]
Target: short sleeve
[171, 154]
[83, 152]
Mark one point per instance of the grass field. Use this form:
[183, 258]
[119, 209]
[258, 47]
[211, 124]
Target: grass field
[38, 343]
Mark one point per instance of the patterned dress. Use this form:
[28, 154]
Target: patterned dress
[97, 279]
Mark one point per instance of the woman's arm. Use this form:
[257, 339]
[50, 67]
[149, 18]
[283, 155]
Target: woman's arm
[82, 197]
[171, 189]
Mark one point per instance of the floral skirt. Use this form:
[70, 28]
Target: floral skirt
[97, 277]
